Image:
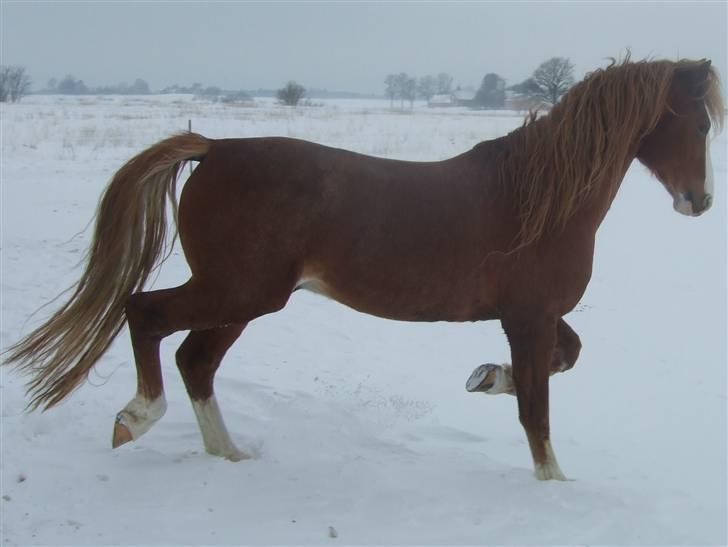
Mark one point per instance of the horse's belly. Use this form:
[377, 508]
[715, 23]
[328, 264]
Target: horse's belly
[403, 304]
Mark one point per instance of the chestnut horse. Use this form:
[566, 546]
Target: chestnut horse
[503, 231]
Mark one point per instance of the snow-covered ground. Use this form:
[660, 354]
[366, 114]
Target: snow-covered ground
[361, 424]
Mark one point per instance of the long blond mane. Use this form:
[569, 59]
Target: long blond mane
[556, 162]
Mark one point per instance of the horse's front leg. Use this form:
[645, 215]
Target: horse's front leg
[532, 340]
[493, 379]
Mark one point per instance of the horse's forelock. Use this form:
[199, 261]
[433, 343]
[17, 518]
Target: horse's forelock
[714, 100]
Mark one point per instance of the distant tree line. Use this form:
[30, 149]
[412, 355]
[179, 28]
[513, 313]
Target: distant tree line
[547, 84]
[14, 83]
[70, 85]
[403, 87]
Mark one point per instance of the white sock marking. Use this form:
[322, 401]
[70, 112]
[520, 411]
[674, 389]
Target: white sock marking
[140, 414]
[549, 470]
[503, 381]
[214, 433]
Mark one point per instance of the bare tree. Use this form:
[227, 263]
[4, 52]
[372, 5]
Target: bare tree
[14, 83]
[405, 87]
[71, 86]
[492, 92]
[444, 83]
[409, 90]
[390, 88]
[400, 86]
[553, 78]
[139, 87]
[4, 83]
[426, 87]
[291, 94]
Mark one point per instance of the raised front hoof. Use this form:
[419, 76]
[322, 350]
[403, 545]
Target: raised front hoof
[491, 379]
[122, 435]
[483, 378]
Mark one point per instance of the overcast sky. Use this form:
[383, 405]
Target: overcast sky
[343, 46]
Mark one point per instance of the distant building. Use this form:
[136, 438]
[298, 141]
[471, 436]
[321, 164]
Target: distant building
[464, 97]
[459, 97]
[441, 100]
[522, 102]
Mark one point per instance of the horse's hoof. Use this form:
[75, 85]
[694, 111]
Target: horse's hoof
[483, 378]
[231, 454]
[236, 456]
[122, 435]
[549, 473]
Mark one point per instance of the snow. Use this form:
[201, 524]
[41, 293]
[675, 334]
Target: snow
[361, 429]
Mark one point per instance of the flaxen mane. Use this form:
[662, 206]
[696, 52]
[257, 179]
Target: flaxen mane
[557, 161]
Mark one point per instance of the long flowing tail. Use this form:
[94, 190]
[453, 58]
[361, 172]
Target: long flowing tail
[129, 241]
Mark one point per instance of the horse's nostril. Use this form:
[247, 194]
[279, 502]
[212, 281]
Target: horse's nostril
[708, 201]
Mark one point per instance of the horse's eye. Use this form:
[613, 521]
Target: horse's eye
[704, 128]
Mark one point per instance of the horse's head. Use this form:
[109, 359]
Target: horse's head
[677, 149]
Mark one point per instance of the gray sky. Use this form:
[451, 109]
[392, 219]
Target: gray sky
[343, 45]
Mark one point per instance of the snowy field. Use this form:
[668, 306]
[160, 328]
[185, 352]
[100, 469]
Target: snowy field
[362, 427]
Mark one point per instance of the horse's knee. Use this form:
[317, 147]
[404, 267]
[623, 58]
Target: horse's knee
[567, 349]
[572, 352]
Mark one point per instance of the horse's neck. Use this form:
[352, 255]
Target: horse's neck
[597, 206]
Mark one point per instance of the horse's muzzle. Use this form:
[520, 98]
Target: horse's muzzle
[684, 203]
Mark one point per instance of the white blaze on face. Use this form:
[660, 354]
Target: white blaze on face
[683, 205]
[708, 169]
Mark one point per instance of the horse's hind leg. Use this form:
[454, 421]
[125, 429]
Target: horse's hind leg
[149, 403]
[198, 358]
[493, 379]
[192, 306]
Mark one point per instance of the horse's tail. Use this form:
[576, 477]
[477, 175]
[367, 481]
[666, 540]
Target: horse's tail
[128, 243]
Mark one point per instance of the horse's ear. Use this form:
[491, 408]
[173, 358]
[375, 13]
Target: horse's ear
[702, 72]
[695, 76]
